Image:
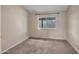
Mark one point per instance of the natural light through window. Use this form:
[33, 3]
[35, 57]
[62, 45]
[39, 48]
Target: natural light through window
[47, 22]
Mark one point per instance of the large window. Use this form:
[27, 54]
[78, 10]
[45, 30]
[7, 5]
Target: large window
[47, 22]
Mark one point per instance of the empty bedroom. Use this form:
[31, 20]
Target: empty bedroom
[39, 29]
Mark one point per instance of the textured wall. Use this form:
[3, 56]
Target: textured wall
[14, 25]
[58, 33]
[73, 26]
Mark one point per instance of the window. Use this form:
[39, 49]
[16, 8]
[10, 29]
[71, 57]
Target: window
[47, 22]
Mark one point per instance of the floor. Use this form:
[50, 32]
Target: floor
[42, 46]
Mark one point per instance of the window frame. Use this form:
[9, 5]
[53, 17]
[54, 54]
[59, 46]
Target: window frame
[40, 16]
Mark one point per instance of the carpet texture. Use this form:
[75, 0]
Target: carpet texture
[39, 46]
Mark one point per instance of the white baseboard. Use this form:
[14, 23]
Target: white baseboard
[47, 38]
[72, 44]
[14, 45]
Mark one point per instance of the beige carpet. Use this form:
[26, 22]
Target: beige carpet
[39, 46]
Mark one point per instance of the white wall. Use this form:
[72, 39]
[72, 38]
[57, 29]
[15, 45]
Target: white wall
[58, 33]
[14, 26]
[0, 29]
[73, 27]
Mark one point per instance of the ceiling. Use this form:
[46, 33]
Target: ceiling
[46, 8]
